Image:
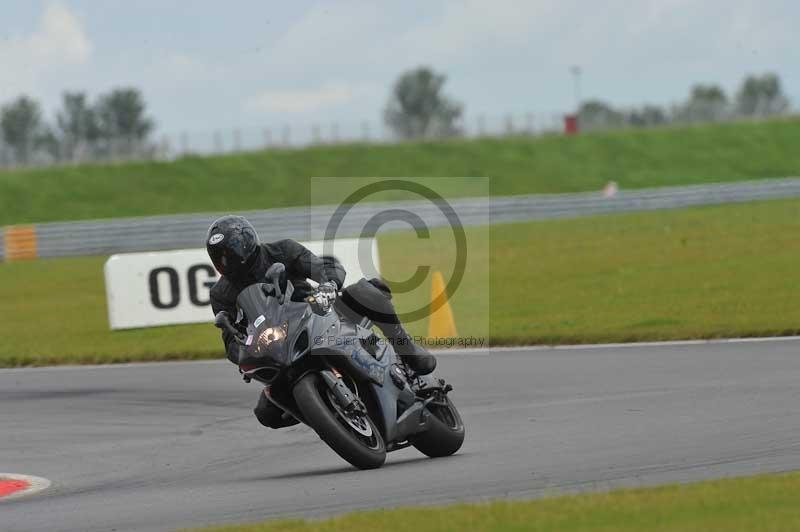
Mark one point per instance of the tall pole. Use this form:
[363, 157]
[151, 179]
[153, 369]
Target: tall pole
[576, 76]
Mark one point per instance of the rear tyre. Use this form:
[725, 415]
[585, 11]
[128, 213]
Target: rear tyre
[446, 432]
[358, 440]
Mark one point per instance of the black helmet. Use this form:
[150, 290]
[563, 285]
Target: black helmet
[232, 244]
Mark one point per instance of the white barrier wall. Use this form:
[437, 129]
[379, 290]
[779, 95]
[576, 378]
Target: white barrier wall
[171, 287]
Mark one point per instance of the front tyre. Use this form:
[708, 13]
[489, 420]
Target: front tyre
[355, 437]
[445, 433]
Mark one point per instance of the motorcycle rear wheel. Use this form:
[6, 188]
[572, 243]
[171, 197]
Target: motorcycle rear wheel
[364, 452]
[445, 434]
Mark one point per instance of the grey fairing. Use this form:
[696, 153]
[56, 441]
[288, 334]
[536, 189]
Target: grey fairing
[342, 347]
[265, 311]
[342, 340]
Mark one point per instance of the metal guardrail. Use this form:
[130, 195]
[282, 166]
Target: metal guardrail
[102, 237]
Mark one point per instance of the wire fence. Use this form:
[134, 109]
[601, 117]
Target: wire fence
[41, 153]
[331, 133]
[166, 147]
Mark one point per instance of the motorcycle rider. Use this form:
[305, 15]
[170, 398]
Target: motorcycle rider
[234, 248]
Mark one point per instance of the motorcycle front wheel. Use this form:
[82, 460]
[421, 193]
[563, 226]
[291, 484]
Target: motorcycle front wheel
[352, 436]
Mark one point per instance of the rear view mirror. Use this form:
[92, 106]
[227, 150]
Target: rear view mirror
[223, 321]
[273, 277]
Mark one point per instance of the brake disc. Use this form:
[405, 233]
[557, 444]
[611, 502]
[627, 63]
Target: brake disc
[358, 422]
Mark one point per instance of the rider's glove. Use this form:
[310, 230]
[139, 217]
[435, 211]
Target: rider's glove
[328, 289]
[324, 298]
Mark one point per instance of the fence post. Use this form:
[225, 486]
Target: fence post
[165, 148]
[267, 137]
[529, 123]
[237, 140]
[286, 135]
[509, 125]
[459, 127]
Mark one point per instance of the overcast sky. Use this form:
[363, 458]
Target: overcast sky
[204, 65]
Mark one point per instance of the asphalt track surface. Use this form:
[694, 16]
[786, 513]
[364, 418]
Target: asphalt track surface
[157, 447]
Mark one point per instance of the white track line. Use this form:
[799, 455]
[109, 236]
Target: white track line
[36, 484]
[575, 347]
[472, 351]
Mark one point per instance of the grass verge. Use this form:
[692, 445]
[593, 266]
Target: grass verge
[709, 272]
[279, 178]
[764, 503]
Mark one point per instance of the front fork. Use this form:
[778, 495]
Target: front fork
[343, 395]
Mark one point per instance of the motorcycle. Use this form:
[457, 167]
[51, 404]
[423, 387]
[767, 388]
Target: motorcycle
[333, 373]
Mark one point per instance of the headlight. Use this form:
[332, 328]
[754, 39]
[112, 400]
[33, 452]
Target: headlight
[271, 334]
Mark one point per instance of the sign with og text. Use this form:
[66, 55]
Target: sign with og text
[172, 287]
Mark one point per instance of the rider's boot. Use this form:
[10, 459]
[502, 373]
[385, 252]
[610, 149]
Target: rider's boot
[270, 415]
[373, 299]
[414, 356]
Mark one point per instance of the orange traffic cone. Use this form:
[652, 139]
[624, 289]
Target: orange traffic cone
[441, 323]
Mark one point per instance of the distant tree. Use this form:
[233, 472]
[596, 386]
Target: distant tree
[121, 115]
[647, 116]
[761, 96]
[21, 125]
[77, 123]
[49, 141]
[706, 103]
[417, 108]
[596, 114]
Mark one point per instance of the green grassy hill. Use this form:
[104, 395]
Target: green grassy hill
[276, 178]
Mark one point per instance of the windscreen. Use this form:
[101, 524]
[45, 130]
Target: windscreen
[271, 326]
